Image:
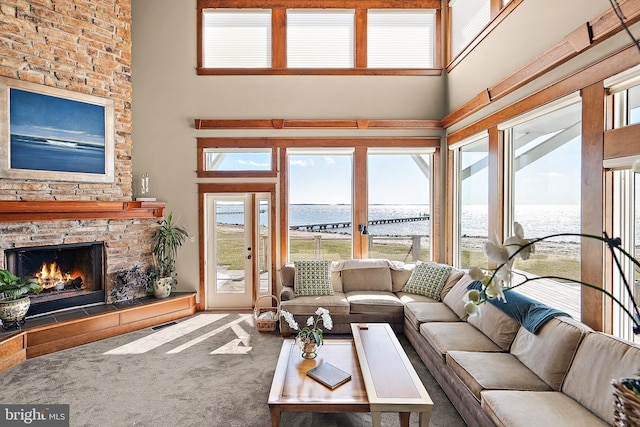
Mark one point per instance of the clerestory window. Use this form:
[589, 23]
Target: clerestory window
[359, 38]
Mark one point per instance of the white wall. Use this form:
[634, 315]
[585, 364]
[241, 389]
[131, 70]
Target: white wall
[168, 96]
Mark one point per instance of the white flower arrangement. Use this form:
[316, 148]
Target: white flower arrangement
[311, 332]
[498, 281]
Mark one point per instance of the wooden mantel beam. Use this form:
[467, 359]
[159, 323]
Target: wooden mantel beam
[25, 211]
[316, 124]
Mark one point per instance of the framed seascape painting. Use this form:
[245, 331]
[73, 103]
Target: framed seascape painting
[55, 134]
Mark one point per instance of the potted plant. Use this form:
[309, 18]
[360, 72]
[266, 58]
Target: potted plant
[14, 302]
[167, 239]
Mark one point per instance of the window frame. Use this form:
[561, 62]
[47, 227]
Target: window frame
[499, 12]
[278, 34]
[205, 144]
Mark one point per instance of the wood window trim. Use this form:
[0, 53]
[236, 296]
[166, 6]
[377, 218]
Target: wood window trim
[279, 37]
[578, 41]
[622, 142]
[498, 15]
[616, 63]
[204, 144]
[202, 124]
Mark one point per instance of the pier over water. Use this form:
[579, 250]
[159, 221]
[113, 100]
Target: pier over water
[345, 224]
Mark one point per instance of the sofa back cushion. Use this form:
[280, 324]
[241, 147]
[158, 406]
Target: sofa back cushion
[550, 352]
[288, 273]
[366, 279]
[497, 325]
[600, 359]
[454, 297]
[400, 276]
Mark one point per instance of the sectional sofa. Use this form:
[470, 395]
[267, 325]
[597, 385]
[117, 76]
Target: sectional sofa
[494, 370]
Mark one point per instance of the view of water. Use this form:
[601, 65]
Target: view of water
[537, 220]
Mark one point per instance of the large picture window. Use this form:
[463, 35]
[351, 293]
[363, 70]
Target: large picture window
[320, 204]
[473, 203]
[399, 209]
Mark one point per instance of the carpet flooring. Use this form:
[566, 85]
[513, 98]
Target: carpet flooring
[210, 369]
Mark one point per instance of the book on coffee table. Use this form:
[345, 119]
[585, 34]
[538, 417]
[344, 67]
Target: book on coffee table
[329, 375]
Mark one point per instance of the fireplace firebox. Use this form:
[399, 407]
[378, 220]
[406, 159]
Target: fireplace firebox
[70, 274]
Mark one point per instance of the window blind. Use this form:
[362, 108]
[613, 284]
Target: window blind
[320, 38]
[401, 38]
[468, 18]
[236, 38]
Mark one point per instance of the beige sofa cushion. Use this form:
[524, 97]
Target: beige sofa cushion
[537, 408]
[495, 324]
[366, 279]
[421, 312]
[399, 277]
[337, 304]
[374, 302]
[600, 359]
[449, 336]
[454, 276]
[549, 352]
[288, 273]
[493, 371]
[454, 298]
[407, 298]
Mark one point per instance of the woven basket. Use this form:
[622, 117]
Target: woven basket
[626, 406]
[266, 325]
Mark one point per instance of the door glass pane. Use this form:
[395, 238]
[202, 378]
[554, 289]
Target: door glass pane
[320, 210]
[230, 247]
[263, 250]
[474, 203]
[399, 206]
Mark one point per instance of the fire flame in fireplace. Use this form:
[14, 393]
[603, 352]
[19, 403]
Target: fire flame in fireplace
[50, 275]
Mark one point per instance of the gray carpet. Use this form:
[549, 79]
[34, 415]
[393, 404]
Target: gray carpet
[169, 377]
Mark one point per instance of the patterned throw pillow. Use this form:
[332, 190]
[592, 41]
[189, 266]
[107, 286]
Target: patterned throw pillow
[427, 279]
[312, 278]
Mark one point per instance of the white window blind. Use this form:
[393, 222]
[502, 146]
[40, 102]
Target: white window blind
[468, 18]
[236, 38]
[320, 38]
[401, 38]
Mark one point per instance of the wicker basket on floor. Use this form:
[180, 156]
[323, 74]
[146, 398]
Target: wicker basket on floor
[626, 406]
[267, 325]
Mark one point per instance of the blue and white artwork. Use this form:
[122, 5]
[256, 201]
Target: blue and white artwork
[49, 133]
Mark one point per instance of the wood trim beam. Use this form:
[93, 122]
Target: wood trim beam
[622, 142]
[284, 206]
[208, 124]
[325, 4]
[581, 39]
[11, 211]
[240, 142]
[361, 38]
[202, 71]
[437, 190]
[278, 38]
[593, 73]
[592, 205]
[496, 183]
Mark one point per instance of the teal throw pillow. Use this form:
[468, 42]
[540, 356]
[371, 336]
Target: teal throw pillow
[427, 279]
[312, 278]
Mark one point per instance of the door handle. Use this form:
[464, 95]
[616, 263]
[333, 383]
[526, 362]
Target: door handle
[249, 257]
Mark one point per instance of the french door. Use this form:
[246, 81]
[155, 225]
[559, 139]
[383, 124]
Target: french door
[238, 249]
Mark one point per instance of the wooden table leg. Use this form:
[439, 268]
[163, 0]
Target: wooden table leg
[376, 418]
[275, 416]
[404, 419]
[424, 418]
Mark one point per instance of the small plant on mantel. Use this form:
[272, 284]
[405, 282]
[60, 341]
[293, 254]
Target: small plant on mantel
[167, 239]
[14, 301]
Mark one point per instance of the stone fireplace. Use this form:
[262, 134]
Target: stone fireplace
[70, 274]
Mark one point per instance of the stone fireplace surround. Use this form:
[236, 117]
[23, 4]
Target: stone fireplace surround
[124, 227]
